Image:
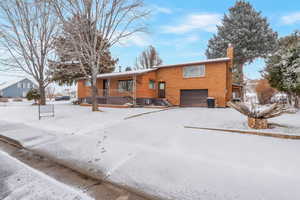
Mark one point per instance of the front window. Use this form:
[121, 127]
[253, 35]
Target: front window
[194, 71]
[19, 85]
[151, 84]
[125, 85]
[28, 85]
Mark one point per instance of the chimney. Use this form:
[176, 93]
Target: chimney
[230, 53]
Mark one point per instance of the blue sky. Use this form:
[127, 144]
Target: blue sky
[181, 29]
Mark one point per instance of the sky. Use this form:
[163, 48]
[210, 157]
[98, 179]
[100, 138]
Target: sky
[180, 29]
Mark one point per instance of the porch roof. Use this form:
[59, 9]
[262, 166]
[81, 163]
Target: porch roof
[122, 74]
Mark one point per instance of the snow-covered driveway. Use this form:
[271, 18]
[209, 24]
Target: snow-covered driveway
[157, 155]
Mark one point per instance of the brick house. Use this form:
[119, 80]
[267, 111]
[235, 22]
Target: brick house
[187, 84]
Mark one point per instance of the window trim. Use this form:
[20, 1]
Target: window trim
[194, 76]
[154, 84]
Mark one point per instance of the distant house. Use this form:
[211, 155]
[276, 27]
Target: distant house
[16, 88]
[187, 84]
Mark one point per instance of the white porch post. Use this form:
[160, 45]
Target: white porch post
[134, 90]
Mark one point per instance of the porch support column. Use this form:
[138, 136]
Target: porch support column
[134, 90]
[108, 92]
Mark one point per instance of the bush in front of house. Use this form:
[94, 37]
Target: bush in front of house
[33, 94]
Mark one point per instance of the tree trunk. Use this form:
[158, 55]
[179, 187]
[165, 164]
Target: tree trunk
[42, 93]
[296, 102]
[239, 78]
[257, 123]
[94, 94]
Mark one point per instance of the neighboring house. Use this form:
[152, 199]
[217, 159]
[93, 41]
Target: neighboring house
[16, 88]
[188, 84]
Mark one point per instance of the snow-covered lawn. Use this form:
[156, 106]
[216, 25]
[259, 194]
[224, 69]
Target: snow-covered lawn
[69, 119]
[18, 181]
[155, 154]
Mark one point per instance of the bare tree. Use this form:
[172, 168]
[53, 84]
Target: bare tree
[50, 92]
[107, 22]
[27, 30]
[148, 59]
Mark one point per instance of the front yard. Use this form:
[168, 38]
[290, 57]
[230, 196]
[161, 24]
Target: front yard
[155, 154]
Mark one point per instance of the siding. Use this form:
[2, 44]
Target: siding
[14, 91]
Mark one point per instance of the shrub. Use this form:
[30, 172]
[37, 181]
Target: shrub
[33, 94]
[264, 91]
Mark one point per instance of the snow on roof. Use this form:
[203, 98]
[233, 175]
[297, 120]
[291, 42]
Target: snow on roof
[137, 72]
[115, 74]
[6, 84]
[197, 62]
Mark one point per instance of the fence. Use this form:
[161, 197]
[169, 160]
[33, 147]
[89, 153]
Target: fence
[46, 111]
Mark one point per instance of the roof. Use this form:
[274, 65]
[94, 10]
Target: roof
[6, 84]
[226, 59]
[138, 72]
[128, 73]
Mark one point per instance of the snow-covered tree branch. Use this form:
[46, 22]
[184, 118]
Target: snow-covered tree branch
[107, 22]
[27, 30]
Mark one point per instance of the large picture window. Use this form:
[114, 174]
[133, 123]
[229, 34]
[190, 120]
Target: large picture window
[194, 71]
[125, 85]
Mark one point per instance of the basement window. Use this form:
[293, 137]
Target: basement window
[194, 71]
[125, 85]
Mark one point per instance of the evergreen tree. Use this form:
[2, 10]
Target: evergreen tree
[33, 94]
[283, 65]
[69, 67]
[248, 31]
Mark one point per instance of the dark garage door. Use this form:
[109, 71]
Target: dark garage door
[193, 98]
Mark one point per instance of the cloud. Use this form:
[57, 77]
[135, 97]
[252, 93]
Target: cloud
[192, 38]
[204, 22]
[158, 9]
[291, 18]
[137, 39]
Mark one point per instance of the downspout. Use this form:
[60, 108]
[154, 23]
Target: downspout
[134, 90]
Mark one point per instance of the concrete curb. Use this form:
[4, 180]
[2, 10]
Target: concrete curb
[265, 134]
[11, 142]
[124, 187]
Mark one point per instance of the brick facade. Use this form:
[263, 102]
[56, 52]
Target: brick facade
[217, 80]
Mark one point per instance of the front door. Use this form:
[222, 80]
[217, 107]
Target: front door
[105, 87]
[161, 90]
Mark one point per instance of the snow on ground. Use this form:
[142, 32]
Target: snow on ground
[231, 119]
[157, 155]
[69, 119]
[18, 181]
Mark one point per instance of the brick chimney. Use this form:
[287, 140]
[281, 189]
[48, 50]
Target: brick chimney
[230, 53]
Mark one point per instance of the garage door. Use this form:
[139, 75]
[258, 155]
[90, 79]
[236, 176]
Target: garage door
[193, 98]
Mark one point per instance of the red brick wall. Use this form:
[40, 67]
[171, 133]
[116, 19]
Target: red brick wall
[217, 80]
